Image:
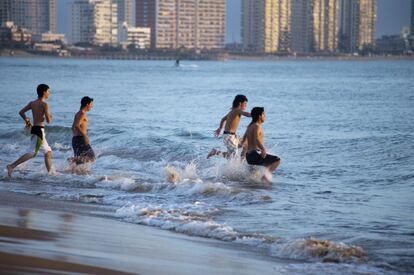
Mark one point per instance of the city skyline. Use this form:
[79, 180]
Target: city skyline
[392, 16]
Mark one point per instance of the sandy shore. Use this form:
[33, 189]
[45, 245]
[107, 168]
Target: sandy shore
[42, 236]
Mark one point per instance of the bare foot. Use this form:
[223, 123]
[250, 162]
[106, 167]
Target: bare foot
[213, 153]
[9, 170]
[52, 172]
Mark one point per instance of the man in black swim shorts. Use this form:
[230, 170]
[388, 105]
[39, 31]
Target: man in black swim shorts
[256, 152]
[80, 142]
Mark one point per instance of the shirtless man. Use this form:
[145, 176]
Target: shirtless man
[80, 140]
[256, 152]
[40, 112]
[232, 120]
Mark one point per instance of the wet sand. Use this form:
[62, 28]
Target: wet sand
[43, 236]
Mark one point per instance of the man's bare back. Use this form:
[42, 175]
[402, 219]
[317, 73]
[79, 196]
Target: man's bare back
[40, 112]
[233, 120]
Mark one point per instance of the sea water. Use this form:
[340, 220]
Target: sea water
[340, 202]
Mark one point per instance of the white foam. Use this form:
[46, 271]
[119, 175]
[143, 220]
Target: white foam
[176, 175]
[118, 182]
[196, 220]
[319, 249]
[188, 221]
[61, 147]
[236, 169]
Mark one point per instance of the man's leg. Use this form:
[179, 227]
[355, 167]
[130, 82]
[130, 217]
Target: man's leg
[213, 152]
[19, 161]
[48, 160]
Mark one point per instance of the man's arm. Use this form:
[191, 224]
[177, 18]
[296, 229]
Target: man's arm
[259, 132]
[48, 116]
[222, 121]
[22, 113]
[245, 114]
[243, 144]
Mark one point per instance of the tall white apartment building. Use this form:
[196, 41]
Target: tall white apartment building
[191, 24]
[266, 25]
[95, 21]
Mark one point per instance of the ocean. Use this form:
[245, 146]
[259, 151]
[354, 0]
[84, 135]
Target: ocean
[340, 202]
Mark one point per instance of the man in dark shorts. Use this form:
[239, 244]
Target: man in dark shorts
[256, 152]
[80, 141]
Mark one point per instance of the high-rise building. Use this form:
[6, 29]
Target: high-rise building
[126, 12]
[266, 25]
[183, 23]
[412, 18]
[145, 16]
[82, 22]
[357, 24]
[95, 21]
[52, 16]
[325, 25]
[302, 26]
[38, 16]
[5, 9]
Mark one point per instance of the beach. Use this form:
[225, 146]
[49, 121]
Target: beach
[339, 203]
[43, 236]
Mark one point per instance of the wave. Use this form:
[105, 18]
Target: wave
[189, 133]
[14, 135]
[195, 220]
[326, 250]
[58, 129]
[123, 183]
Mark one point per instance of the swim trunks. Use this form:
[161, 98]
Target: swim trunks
[38, 140]
[83, 152]
[253, 157]
[231, 141]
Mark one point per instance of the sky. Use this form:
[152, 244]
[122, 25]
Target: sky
[392, 16]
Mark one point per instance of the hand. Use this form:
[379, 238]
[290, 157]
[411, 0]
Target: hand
[263, 153]
[217, 132]
[28, 124]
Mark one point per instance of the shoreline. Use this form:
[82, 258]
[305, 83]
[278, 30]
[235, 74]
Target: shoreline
[47, 236]
[225, 57]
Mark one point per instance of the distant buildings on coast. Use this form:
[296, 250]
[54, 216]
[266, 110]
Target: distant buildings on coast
[305, 26]
[281, 27]
[412, 18]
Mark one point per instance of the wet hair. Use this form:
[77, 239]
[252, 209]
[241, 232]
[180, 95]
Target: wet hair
[41, 90]
[239, 99]
[85, 101]
[256, 113]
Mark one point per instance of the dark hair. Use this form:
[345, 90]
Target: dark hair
[85, 101]
[239, 99]
[256, 113]
[41, 89]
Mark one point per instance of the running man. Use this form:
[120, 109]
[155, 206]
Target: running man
[80, 141]
[256, 152]
[40, 112]
[231, 120]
